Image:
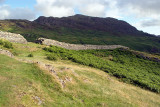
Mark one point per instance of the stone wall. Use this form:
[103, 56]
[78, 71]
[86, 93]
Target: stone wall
[76, 46]
[12, 37]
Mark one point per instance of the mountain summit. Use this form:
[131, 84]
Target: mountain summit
[110, 25]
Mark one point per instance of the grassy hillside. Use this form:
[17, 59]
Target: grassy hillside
[23, 84]
[121, 63]
[31, 31]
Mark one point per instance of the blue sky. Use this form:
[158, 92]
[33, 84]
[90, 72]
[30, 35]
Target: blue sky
[21, 3]
[142, 14]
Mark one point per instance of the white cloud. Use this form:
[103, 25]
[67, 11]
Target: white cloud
[60, 8]
[152, 29]
[1, 1]
[113, 11]
[139, 8]
[54, 8]
[6, 12]
[93, 10]
[149, 23]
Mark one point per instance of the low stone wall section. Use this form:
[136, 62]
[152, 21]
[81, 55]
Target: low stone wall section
[76, 46]
[6, 52]
[12, 37]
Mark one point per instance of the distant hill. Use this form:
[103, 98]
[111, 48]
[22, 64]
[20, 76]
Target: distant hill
[80, 29]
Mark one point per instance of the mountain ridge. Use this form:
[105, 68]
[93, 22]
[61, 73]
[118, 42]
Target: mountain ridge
[80, 29]
[83, 22]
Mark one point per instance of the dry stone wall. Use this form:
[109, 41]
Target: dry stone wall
[76, 46]
[12, 37]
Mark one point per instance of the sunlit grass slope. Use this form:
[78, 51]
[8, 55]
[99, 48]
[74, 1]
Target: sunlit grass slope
[23, 84]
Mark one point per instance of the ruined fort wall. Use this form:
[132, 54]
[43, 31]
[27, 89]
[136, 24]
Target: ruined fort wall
[76, 46]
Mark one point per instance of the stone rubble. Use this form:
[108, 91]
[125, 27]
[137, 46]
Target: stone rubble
[51, 69]
[6, 52]
[38, 99]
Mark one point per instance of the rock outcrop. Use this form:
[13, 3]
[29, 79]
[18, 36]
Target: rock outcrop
[6, 52]
[12, 37]
[76, 46]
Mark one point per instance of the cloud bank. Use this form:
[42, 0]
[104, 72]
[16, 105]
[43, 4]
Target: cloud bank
[150, 23]
[1, 1]
[6, 12]
[61, 8]
[141, 7]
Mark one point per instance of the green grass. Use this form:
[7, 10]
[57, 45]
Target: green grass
[120, 63]
[21, 82]
[6, 44]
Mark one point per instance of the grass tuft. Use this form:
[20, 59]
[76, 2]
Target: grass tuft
[6, 44]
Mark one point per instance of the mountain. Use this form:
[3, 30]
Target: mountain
[110, 25]
[80, 29]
